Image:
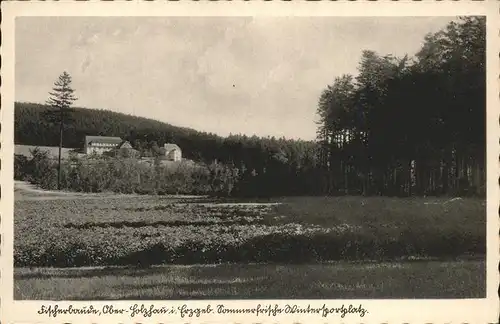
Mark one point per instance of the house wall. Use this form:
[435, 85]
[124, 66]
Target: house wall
[177, 155]
[174, 155]
[99, 148]
[126, 145]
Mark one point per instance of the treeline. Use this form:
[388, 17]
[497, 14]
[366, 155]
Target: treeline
[266, 166]
[402, 126]
[410, 126]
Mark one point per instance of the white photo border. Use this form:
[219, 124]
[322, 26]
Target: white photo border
[481, 311]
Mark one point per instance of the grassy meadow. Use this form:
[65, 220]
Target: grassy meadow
[308, 247]
[337, 280]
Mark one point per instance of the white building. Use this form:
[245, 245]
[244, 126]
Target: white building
[172, 152]
[101, 144]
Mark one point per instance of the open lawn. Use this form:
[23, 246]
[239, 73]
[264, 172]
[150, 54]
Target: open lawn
[298, 247]
[146, 230]
[457, 279]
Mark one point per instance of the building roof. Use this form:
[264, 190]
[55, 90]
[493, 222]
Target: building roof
[53, 151]
[103, 139]
[169, 147]
[124, 144]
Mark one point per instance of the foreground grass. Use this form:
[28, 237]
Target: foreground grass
[339, 280]
[152, 230]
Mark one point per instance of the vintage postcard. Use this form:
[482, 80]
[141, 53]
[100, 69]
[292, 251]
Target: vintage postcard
[250, 162]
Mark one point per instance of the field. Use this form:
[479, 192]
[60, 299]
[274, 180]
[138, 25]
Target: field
[338, 280]
[373, 247]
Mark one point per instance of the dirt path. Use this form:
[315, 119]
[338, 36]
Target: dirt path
[242, 204]
[28, 188]
[26, 191]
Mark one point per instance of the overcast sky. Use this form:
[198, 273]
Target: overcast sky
[224, 75]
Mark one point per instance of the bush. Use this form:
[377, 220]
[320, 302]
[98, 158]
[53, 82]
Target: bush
[127, 175]
[41, 170]
[20, 167]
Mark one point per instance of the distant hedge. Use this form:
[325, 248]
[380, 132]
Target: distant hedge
[126, 175]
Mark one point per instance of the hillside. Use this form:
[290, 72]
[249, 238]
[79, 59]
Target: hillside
[30, 129]
[254, 152]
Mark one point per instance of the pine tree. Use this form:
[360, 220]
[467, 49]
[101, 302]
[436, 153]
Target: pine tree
[61, 98]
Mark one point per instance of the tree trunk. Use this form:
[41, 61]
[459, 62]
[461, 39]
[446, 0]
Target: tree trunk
[446, 171]
[457, 170]
[60, 149]
[410, 177]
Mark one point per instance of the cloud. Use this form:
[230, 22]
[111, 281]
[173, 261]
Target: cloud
[86, 63]
[182, 69]
[85, 40]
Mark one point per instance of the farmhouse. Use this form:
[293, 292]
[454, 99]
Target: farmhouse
[172, 152]
[102, 144]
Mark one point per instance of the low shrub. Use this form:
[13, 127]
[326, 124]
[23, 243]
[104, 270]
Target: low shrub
[277, 246]
[127, 175]
[157, 230]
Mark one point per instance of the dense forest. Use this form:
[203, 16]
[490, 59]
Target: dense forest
[402, 126]
[410, 126]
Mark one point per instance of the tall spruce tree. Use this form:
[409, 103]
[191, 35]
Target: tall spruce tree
[61, 98]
